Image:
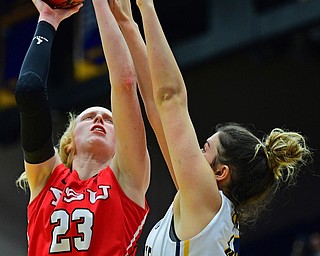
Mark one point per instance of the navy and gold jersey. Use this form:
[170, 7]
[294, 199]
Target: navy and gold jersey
[219, 238]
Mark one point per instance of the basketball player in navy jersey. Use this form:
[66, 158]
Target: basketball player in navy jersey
[221, 186]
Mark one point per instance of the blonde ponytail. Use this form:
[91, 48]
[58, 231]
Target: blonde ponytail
[286, 152]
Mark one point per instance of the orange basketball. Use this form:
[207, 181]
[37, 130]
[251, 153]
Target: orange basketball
[63, 3]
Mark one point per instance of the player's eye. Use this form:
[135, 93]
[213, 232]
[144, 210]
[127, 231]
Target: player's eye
[88, 117]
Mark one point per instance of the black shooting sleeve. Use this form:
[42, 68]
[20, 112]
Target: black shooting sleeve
[32, 99]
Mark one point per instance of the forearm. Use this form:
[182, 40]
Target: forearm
[166, 76]
[138, 52]
[116, 52]
[37, 58]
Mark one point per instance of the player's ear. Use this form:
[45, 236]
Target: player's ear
[222, 172]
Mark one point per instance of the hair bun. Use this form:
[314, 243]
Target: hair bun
[285, 151]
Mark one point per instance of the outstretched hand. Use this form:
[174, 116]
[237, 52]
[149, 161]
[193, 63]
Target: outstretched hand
[54, 16]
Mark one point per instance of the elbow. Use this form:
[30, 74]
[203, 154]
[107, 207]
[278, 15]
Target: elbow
[165, 94]
[30, 91]
[170, 93]
[125, 84]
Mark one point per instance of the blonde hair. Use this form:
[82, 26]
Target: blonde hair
[22, 181]
[285, 152]
[66, 150]
[66, 143]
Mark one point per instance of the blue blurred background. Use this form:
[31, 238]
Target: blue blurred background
[255, 62]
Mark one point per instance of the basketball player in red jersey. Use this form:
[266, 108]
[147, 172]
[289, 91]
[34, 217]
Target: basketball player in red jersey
[88, 197]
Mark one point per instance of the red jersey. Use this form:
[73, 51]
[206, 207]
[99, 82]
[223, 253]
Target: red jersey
[90, 217]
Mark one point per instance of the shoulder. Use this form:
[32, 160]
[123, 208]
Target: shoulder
[39, 174]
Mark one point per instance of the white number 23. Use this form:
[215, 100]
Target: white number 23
[62, 221]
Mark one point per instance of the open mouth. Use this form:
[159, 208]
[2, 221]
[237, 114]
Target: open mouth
[98, 128]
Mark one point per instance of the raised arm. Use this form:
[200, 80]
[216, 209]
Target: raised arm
[123, 14]
[132, 164]
[32, 99]
[198, 192]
